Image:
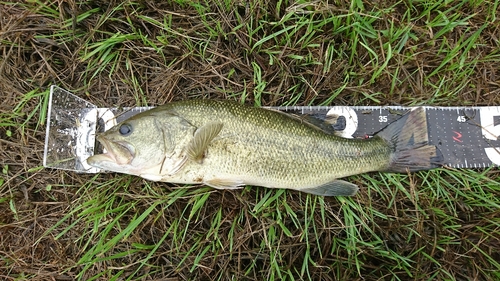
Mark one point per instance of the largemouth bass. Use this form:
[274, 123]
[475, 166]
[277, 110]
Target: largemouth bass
[227, 145]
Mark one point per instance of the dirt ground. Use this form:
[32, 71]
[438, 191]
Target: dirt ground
[119, 54]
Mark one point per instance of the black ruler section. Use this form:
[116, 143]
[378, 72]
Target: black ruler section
[458, 134]
[468, 137]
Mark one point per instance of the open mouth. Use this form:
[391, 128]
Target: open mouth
[118, 152]
[103, 149]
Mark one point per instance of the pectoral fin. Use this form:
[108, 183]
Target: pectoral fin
[201, 139]
[334, 188]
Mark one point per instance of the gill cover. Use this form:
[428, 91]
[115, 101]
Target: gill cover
[148, 142]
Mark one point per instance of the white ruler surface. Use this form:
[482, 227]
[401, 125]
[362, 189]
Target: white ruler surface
[468, 137]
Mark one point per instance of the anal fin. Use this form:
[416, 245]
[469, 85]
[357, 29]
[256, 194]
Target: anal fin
[334, 188]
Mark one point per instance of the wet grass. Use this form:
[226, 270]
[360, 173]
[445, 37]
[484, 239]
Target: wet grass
[436, 225]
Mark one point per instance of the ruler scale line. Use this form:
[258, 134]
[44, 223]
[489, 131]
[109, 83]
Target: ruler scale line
[468, 136]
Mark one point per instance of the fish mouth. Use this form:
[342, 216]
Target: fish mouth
[118, 152]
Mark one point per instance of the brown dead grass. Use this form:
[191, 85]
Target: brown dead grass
[29, 62]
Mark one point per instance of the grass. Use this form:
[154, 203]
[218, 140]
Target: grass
[437, 225]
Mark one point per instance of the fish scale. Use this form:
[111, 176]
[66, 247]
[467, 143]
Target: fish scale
[305, 150]
[466, 136]
[228, 145]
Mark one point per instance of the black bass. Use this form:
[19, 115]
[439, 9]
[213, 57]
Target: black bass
[227, 145]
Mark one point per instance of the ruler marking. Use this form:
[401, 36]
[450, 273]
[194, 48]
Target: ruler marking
[479, 136]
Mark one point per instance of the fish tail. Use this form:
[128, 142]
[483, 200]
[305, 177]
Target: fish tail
[409, 144]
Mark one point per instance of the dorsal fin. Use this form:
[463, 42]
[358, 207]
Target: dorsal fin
[325, 126]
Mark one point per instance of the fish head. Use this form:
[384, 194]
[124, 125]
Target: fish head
[135, 145]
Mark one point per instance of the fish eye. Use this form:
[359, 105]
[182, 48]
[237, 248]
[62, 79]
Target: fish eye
[125, 129]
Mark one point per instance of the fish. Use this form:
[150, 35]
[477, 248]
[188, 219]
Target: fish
[227, 145]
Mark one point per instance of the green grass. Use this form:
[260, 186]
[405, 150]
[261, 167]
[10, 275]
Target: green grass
[436, 225]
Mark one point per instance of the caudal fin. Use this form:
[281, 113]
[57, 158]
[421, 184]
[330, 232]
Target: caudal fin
[409, 141]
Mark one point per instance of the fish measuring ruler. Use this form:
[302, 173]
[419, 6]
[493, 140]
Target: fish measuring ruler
[468, 137]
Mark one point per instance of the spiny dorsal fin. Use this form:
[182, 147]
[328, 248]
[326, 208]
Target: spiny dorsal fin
[201, 139]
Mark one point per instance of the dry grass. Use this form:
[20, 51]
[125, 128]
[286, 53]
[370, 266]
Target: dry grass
[55, 225]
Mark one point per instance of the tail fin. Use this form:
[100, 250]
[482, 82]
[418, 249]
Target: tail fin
[409, 142]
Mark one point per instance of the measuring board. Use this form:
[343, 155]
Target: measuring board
[468, 137]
